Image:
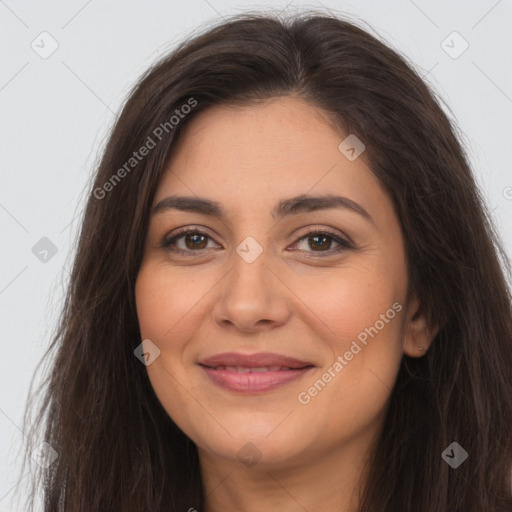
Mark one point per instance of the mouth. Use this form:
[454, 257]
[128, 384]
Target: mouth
[250, 369]
[253, 374]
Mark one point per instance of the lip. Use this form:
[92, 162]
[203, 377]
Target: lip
[274, 370]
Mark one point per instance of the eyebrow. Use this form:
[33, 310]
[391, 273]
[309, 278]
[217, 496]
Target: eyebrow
[292, 206]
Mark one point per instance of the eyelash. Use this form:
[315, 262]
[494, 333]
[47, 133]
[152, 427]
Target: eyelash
[168, 242]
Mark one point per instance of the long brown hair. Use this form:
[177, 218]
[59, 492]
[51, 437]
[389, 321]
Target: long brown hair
[118, 450]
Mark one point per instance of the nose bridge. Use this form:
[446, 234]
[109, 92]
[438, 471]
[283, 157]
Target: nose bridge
[251, 292]
[251, 261]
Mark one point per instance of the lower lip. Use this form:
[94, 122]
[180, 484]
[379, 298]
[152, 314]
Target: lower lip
[252, 382]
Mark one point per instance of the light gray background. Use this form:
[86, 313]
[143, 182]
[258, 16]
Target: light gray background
[56, 113]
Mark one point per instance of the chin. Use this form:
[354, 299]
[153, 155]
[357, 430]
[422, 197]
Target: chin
[256, 441]
[254, 452]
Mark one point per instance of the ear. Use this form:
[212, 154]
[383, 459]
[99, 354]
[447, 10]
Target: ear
[418, 334]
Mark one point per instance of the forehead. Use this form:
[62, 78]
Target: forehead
[264, 152]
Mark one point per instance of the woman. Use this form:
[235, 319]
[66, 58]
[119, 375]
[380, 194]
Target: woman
[287, 293]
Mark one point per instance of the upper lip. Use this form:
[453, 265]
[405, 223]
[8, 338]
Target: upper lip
[259, 360]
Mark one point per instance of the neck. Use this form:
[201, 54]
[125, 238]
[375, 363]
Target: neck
[331, 481]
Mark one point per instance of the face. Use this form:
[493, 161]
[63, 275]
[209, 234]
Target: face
[280, 322]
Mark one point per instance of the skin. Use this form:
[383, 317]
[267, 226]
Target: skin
[314, 455]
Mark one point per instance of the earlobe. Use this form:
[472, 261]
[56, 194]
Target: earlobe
[418, 334]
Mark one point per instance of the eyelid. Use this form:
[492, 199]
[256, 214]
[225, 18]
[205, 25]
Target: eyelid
[344, 242]
[335, 234]
[181, 232]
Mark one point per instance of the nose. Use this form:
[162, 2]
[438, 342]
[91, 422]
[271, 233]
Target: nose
[251, 298]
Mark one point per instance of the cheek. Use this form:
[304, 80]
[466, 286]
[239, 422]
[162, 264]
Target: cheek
[165, 308]
[343, 304]
[360, 318]
[167, 303]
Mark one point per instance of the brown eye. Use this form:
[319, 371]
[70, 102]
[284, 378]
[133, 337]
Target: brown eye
[321, 242]
[194, 240]
[189, 241]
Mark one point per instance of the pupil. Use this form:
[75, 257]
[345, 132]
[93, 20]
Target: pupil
[315, 238]
[194, 244]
